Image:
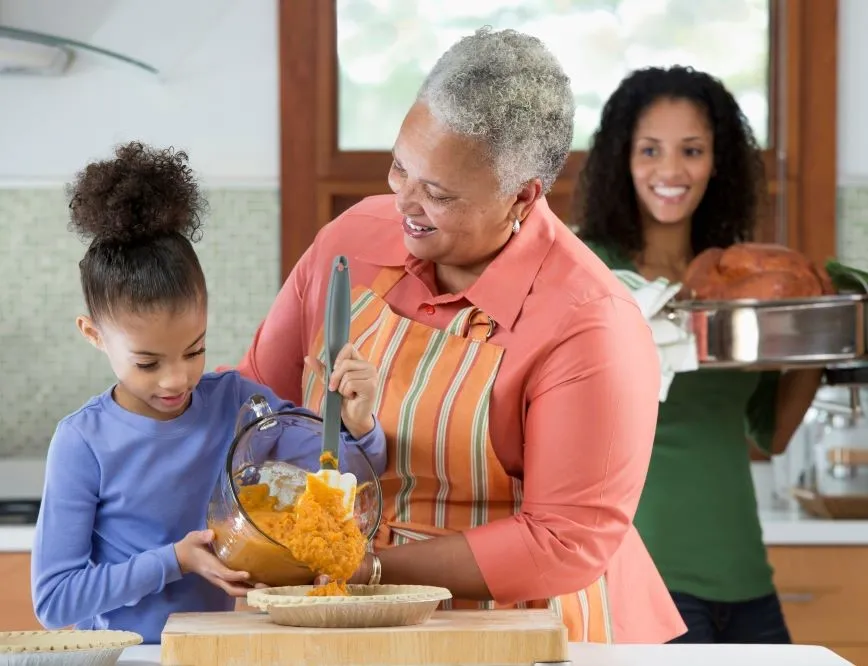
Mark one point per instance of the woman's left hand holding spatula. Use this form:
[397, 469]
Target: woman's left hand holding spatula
[356, 380]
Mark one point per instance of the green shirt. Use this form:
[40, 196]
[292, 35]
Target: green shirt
[698, 511]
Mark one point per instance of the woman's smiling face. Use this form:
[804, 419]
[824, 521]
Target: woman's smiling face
[672, 160]
[448, 194]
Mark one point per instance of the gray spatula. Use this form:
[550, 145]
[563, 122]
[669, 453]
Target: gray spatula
[336, 335]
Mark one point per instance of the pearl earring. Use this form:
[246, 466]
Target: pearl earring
[516, 226]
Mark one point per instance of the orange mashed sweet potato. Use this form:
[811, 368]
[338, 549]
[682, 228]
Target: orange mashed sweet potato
[314, 530]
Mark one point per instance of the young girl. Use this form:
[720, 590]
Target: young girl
[120, 540]
[674, 169]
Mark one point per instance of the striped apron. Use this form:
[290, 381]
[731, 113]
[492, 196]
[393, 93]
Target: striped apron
[443, 476]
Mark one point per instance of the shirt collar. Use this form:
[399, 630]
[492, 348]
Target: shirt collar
[501, 290]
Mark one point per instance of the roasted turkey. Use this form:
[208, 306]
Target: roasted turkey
[754, 270]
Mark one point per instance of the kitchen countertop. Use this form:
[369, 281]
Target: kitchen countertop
[780, 528]
[635, 655]
[16, 538]
[794, 528]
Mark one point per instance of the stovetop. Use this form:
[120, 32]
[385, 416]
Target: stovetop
[21, 481]
[19, 512]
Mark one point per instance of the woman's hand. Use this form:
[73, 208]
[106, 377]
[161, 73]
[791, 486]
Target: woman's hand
[195, 556]
[796, 392]
[356, 380]
[410, 564]
[361, 577]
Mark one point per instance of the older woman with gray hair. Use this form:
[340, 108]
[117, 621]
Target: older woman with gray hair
[519, 380]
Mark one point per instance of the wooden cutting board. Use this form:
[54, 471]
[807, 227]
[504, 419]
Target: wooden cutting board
[501, 638]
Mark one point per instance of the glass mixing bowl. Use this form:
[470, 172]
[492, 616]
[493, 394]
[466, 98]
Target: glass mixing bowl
[263, 452]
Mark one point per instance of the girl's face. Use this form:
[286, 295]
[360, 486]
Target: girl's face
[158, 357]
[672, 160]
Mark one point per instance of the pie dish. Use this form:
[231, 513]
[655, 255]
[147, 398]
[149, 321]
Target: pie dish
[64, 648]
[365, 606]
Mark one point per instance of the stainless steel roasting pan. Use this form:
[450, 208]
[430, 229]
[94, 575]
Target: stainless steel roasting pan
[747, 333]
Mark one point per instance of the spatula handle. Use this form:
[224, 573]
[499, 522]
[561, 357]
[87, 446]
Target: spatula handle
[336, 335]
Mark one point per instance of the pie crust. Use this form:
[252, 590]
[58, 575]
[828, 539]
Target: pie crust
[296, 595]
[27, 642]
[366, 606]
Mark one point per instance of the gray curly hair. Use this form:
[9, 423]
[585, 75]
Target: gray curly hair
[506, 89]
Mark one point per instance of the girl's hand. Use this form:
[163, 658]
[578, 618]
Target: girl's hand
[356, 380]
[195, 556]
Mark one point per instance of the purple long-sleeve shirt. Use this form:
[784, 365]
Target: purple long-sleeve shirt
[122, 488]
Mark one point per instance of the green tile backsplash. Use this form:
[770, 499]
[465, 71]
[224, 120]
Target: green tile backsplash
[46, 369]
[853, 225]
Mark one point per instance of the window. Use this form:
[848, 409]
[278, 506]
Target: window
[350, 68]
[386, 47]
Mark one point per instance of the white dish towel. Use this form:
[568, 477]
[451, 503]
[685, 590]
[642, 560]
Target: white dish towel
[676, 344]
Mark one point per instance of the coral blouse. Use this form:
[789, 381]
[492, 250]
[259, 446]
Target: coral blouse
[573, 409]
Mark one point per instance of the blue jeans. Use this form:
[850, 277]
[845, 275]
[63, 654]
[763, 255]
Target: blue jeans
[755, 621]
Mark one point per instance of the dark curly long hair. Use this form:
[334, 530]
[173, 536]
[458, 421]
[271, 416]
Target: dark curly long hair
[141, 212]
[606, 208]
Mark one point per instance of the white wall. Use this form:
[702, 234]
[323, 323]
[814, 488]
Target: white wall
[219, 100]
[50, 128]
[852, 127]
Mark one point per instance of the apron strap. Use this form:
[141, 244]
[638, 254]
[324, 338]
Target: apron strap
[473, 323]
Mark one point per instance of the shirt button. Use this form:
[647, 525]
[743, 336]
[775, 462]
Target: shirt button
[429, 309]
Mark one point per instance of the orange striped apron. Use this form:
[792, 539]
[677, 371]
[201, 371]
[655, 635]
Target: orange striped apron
[443, 475]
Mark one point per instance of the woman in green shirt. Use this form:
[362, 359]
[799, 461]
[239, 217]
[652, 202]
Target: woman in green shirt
[673, 169]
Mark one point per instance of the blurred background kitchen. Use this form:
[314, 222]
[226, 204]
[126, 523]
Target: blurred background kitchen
[288, 108]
